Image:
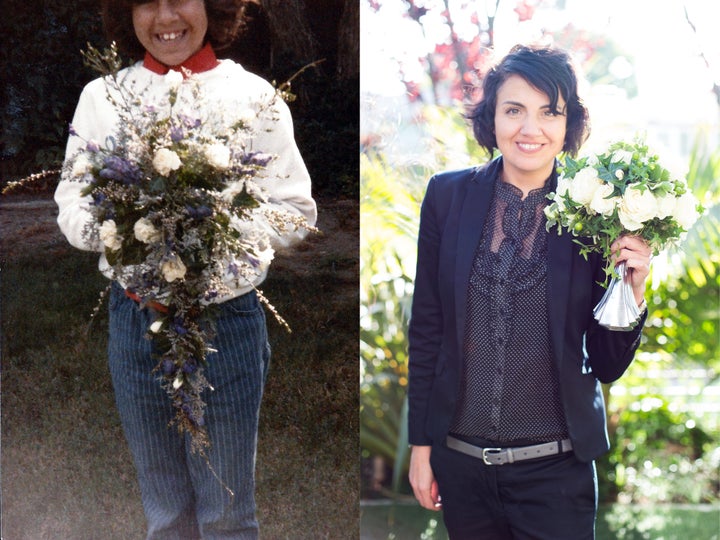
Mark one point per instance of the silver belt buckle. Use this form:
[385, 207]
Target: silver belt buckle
[485, 454]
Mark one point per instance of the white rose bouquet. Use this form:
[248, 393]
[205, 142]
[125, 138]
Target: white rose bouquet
[624, 190]
[178, 205]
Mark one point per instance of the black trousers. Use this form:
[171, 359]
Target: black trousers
[553, 498]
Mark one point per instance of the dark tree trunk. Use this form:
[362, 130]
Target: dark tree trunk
[348, 54]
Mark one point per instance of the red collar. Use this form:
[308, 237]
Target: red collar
[203, 60]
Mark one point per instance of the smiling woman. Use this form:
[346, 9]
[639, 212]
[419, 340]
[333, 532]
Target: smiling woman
[505, 358]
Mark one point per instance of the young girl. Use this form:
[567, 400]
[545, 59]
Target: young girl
[182, 496]
[506, 410]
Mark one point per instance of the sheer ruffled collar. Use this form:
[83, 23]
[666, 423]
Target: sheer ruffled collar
[511, 193]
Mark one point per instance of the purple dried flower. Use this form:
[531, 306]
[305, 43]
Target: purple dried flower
[179, 327]
[72, 131]
[190, 121]
[121, 170]
[190, 366]
[92, 146]
[260, 159]
[177, 133]
[209, 295]
[254, 261]
[198, 212]
[168, 366]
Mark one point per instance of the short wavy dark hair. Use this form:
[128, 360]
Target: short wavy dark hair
[547, 69]
[225, 21]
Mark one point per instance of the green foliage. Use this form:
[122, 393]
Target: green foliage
[700, 251]
[615, 522]
[658, 455]
[390, 209]
[391, 193]
[684, 321]
[653, 522]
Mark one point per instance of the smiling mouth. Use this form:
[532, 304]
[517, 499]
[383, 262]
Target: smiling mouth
[168, 37]
[529, 147]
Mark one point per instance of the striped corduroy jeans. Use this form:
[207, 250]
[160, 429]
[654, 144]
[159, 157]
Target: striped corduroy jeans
[181, 497]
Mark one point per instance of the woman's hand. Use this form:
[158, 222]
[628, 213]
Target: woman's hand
[422, 479]
[635, 252]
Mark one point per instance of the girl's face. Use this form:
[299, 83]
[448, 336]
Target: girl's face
[528, 134]
[170, 30]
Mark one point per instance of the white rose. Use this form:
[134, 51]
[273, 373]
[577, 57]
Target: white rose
[109, 236]
[621, 156]
[156, 327]
[563, 185]
[584, 186]
[636, 208]
[685, 211]
[145, 231]
[165, 161]
[665, 205]
[218, 155]
[173, 78]
[81, 166]
[173, 269]
[601, 202]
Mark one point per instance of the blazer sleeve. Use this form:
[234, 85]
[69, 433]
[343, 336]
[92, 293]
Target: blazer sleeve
[610, 352]
[426, 321]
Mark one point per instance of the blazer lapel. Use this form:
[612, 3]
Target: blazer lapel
[558, 289]
[472, 217]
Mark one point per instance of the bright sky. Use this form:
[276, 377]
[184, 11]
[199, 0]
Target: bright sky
[674, 83]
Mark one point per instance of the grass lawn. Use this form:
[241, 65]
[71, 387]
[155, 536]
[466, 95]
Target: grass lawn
[407, 521]
[66, 470]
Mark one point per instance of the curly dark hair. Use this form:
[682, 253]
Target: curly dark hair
[225, 21]
[547, 69]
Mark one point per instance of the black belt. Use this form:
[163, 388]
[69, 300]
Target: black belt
[501, 456]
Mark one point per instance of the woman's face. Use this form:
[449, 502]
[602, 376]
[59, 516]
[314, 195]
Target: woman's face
[170, 30]
[528, 134]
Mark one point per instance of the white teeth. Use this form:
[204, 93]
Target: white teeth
[526, 146]
[170, 36]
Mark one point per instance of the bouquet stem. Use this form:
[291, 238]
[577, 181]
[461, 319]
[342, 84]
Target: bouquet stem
[617, 309]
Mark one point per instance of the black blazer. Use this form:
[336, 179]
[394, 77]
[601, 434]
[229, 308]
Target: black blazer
[451, 222]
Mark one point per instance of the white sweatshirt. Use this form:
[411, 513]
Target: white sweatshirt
[227, 86]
